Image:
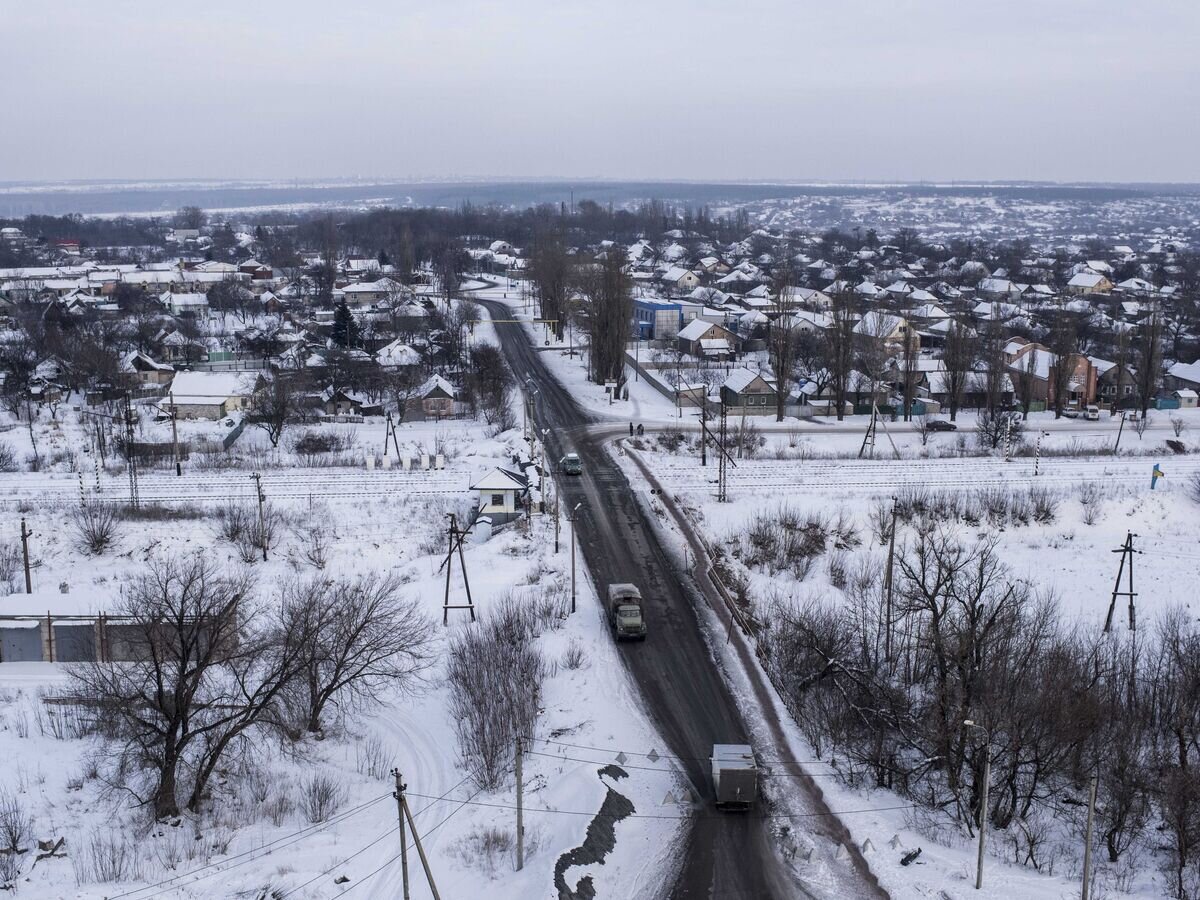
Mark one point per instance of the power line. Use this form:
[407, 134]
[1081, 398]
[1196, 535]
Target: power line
[614, 750]
[572, 812]
[676, 771]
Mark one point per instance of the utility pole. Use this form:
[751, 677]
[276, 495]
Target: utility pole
[262, 518]
[456, 542]
[520, 812]
[175, 437]
[704, 432]
[1126, 550]
[869, 437]
[25, 536]
[723, 454]
[983, 798]
[1087, 845]
[573, 512]
[556, 516]
[420, 849]
[1120, 428]
[399, 795]
[983, 810]
[131, 453]
[887, 639]
[1008, 438]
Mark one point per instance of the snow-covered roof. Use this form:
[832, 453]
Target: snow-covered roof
[1085, 280]
[211, 387]
[694, 329]
[1186, 371]
[740, 379]
[436, 382]
[501, 480]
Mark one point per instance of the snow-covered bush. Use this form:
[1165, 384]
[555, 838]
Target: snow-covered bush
[16, 824]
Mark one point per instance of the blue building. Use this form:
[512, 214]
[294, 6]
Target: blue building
[655, 318]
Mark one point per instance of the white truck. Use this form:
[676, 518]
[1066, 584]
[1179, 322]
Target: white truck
[735, 776]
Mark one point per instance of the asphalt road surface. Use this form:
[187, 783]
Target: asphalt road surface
[727, 856]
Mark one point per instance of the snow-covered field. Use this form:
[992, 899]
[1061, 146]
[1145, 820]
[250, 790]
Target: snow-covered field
[1095, 502]
[262, 839]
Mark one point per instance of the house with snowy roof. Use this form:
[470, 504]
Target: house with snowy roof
[707, 339]
[211, 395]
[502, 493]
[434, 399]
[746, 392]
[1089, 283]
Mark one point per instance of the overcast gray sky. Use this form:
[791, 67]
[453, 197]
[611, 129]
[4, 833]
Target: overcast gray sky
[753, 89]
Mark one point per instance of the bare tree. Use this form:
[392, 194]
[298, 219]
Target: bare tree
[781, 339]
[1148, 351]
[550, 270]
[1026, 380]
[1064, 347]
[183, 622]
[272, 406]
[959, 360]
[840, 341]
[356, 638]
[610, 310]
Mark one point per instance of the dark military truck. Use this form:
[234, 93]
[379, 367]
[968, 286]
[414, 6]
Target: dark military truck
[625, 612]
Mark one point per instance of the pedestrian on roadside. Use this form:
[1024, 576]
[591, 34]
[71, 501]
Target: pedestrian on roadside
[631, 429]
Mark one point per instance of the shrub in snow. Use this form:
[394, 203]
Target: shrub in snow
[95, 526]
[321, 797]
[16, 824]
[495, 674]
[8, 458]
[574, 656]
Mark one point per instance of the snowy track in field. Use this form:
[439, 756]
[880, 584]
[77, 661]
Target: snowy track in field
[884, 476]
[334, 485]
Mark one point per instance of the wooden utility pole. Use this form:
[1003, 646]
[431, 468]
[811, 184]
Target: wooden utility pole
[420, 849]
[262, 518]
[131, 452]
[1126, 550]
[521, 813]
[1087, 841]
[455, 543]
[175, 436]
[25, 536]
[556, 517]
[888, 576]
[399, 795]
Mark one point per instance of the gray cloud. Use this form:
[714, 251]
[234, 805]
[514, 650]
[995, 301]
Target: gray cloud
[758, 89]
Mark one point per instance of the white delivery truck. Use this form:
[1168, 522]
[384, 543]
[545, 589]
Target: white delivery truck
[735, 776]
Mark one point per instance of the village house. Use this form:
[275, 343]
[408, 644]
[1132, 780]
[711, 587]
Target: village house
[434, 399]
[138, 368]
[708, 340]
[746, 392]
[1089, 283]
[211, 395]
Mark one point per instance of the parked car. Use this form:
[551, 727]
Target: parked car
[941, 425]
[571, 464]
